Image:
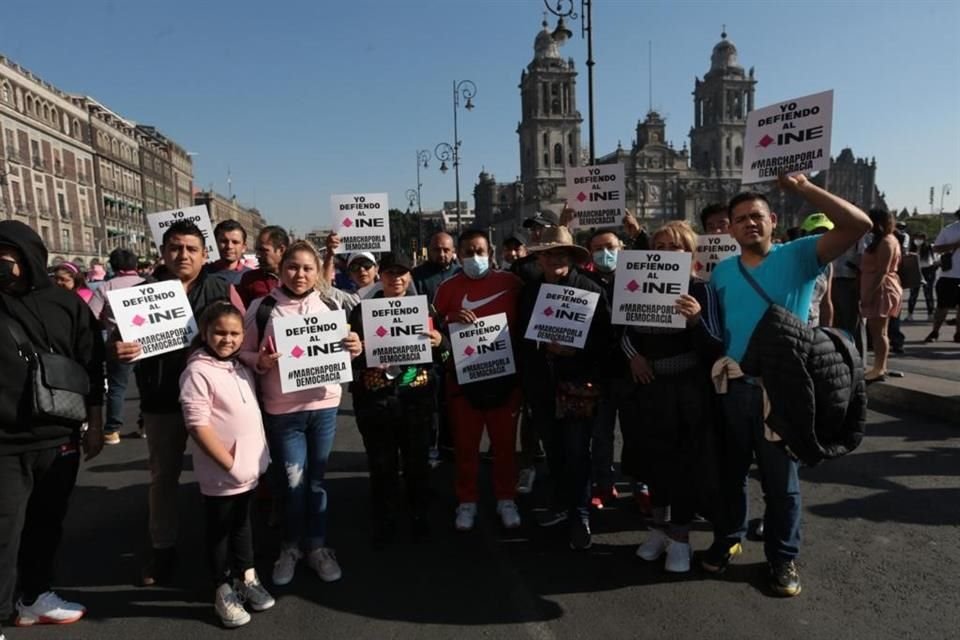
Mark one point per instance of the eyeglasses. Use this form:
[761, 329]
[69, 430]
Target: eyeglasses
[356, 266]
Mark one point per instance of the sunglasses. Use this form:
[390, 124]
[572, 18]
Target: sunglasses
[357, 266]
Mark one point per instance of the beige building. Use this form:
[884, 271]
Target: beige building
[182, 175]
[223, 208]
[47, 165]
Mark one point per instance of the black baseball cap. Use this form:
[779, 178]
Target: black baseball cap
[394, 260]
[517, 237]
[542, 219]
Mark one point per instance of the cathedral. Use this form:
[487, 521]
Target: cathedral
[662, 182]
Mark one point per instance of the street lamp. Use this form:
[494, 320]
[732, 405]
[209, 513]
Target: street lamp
[465, 90]
[944, 191]
[564, 9]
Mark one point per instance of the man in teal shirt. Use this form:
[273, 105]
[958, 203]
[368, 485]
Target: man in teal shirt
[787, 274]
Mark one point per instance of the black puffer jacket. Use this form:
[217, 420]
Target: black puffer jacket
[814, 379]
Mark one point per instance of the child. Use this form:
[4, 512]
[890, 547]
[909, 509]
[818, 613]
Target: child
[222, 415]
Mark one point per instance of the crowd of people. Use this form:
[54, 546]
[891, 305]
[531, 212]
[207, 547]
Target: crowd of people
[692, 421]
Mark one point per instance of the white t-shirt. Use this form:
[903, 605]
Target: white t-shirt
[948, 235]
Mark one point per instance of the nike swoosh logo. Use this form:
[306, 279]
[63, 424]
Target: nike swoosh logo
[470, 305]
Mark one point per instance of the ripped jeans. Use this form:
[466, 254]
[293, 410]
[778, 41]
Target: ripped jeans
[300, 445]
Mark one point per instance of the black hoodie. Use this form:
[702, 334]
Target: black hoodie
[53, 319]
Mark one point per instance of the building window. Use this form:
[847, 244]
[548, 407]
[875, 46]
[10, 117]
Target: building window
[546, 141]
[570, 159]
[62, 206]
[546, 158]
[558, 154]
[738, 156]
[66, 246]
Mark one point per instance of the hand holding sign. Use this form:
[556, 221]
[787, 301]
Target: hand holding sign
[352, 344]
[689, 308]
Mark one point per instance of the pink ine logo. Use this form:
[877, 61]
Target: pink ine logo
[632, 286]
[765, 141]
[139, 320]
[347, 222]
[382, 332]
[548, 311]
[297, 352]
[581, 196]
[469, 351]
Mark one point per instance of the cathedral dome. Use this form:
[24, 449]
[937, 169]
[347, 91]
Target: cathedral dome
[545, 46]
[724, 55]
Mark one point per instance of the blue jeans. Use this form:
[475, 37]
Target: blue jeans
[118, 377]
[743, 437]
[300, 445]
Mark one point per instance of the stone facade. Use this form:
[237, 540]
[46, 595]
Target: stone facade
[223, 208]
[156, 168]
[47, 165]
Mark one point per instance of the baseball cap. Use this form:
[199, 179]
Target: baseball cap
[393, 260]
[518, 237]
[545, 218]
[362, 255]
[816, 221]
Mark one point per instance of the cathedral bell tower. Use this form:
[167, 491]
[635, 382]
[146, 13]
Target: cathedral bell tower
[550, 129]
[720, 105]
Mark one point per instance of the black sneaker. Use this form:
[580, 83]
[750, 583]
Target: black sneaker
[159, 567]
[932, 337]
[784, 578]
[717, 558]
[580, 538]
[551, 518]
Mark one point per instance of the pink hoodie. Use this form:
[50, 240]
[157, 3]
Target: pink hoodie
[220, 394]
[274, 401]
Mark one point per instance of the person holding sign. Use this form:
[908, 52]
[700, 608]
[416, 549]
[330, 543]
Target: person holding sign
[561, 383]
[301, 425]
[220, 409]
[786, 274]
[479, 291]
[394, 409]
[671, 368]
[184, 253]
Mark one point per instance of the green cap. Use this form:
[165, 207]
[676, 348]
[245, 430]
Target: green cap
[816, 221]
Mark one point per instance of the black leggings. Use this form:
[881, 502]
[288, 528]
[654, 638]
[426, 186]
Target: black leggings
[229, 535]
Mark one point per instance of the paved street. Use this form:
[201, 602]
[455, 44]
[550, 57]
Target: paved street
[880, 560]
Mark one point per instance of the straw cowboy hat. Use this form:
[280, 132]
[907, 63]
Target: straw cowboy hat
[559, 237]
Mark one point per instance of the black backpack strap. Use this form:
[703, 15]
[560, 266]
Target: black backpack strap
[330, 304]
[263, 316]
[26, 348]
[753, 283]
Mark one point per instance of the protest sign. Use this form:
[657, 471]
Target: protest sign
[711, 249]
[362, 221]
[562, 315]
[647, 286]
[157, 315]
[482, 350]
[161, 220]
[394, 331]
[596, 194]
[788, 137]
[311, 350]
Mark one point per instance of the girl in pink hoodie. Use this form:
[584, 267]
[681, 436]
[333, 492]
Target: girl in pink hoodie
[218, 397]
[301, 425]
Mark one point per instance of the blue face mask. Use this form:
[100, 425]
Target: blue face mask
[475, 266]
[605, 259]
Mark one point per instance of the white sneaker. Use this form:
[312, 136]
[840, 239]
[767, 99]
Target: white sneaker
[509, 515]
[228, 606]
[525, 480]
[466, 514]
[254, 594]
[48, 608]
[286, 565]
[678, 557]
[654, 546]
[324, 562]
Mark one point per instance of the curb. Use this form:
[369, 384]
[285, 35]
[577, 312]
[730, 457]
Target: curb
[887, 396]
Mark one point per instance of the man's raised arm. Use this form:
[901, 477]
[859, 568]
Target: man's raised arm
[849, 221]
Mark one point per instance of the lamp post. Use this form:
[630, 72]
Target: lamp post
[564, 9]
[466, 90]
[944, 191]
[423, 160]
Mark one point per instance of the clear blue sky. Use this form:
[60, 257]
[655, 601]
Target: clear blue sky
[301, 99]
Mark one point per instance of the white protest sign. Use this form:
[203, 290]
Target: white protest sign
[394, 331]
[482, 350]
[788, 137]
[311, 350]
[562, 315]
[161, 220]
[711, 249]
[647, 286]
[362, 221]
[157, 315]
[596, 194]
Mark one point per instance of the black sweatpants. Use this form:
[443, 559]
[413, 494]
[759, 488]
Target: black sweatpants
[229, 536]
[35, 491]
[396, 431]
